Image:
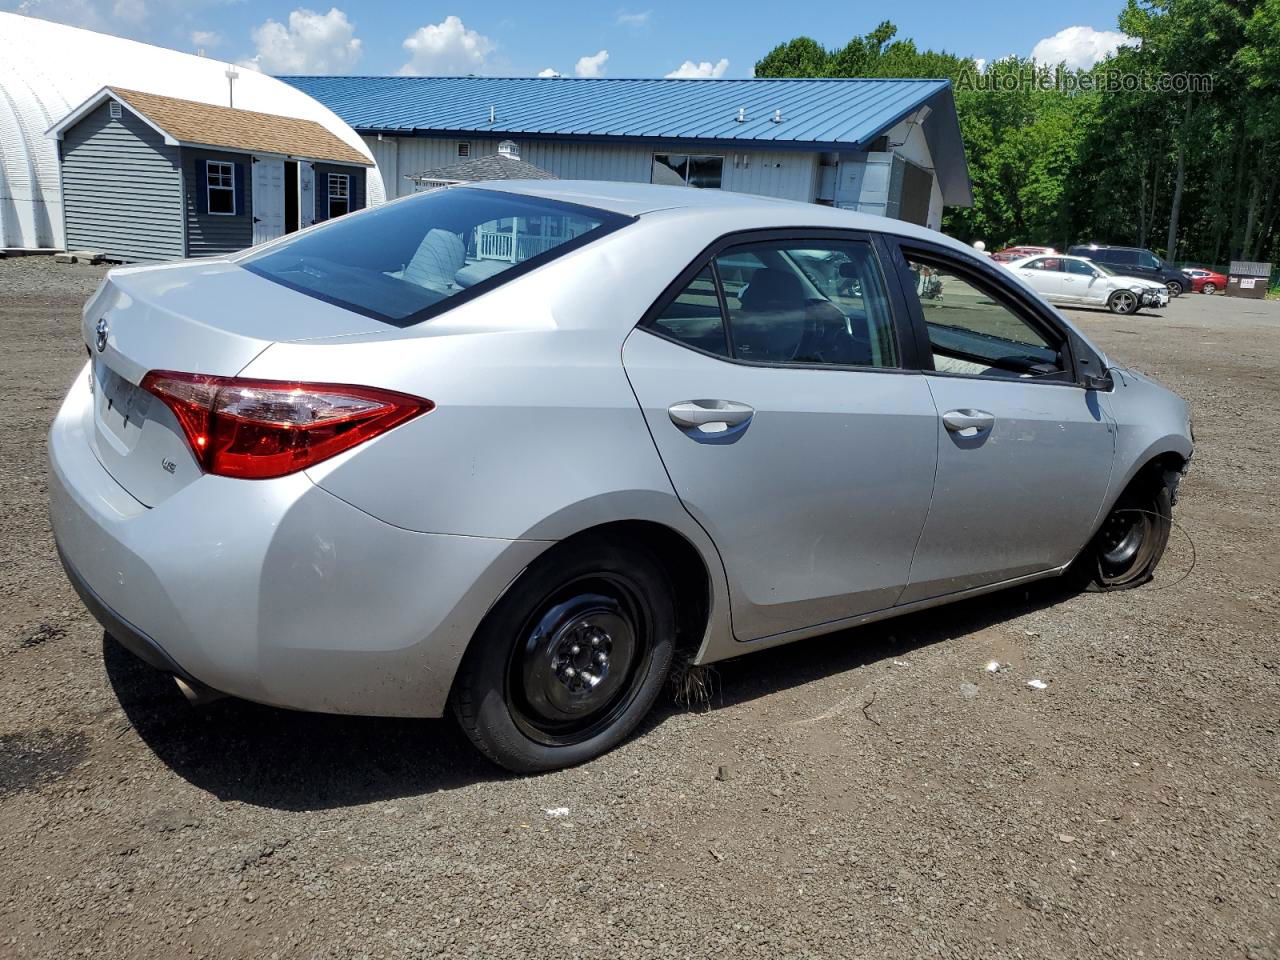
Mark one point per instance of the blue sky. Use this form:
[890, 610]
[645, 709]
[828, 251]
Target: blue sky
[644, 39]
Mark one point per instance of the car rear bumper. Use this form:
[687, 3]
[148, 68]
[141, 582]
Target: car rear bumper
[274, 591]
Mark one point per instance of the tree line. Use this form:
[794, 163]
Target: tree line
[1172, 142]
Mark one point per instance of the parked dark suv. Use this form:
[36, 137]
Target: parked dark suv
[1136, 262]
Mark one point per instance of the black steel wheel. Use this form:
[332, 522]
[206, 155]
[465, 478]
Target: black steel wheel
[579, 660]
[570, 659]
[1126, 549]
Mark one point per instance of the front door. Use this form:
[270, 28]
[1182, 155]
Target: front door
[1024, 453]
[268, 199]
[772, 382]
[1081, 281]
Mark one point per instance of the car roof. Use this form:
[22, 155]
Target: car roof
[736, 210]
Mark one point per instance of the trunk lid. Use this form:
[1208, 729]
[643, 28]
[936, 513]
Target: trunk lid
[205, 316]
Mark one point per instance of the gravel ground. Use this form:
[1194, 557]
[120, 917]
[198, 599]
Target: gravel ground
[868, 794]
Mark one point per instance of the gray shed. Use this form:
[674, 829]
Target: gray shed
[147, 177]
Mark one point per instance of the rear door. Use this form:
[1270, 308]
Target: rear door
[1045, 276]
[1024, 452]
[779, 395]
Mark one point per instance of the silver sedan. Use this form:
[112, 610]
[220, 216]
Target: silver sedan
[515, 450]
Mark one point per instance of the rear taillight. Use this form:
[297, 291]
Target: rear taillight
[258, 429]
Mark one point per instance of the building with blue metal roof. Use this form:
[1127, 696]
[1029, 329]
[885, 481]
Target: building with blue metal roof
[882, 146]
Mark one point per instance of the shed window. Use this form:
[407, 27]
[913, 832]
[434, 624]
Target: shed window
[339, 194]
[221, 183]
[681, 170]
[464, 149]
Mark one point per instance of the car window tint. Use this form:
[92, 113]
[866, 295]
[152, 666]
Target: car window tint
[401, 261]
[821, 302]
[1129, 257]
[971, 331]
[1080, 267]
[1045, 263]
[694, 317]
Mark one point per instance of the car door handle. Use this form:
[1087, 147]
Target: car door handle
[959, 420]
[700, 413]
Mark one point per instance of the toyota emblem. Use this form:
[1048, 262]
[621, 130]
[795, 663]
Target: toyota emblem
[103, 329]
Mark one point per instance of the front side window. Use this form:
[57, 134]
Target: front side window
[1081, 268]
[681, 170]
[220, 182]
[339, 194]
[404, 261]
[974, 331]
[1149, 260]
[788, 302]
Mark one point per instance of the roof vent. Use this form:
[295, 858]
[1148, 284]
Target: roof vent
[115, 110]
[493, 115]
[742, 114]
[509, 149]
[777, 116]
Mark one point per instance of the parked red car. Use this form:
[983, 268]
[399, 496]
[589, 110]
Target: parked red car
[1205, 281]
[1017, 253]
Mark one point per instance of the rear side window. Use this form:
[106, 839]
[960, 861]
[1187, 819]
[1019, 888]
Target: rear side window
[409, 260]
[1123, 257]
[694, 317]
[788, 302]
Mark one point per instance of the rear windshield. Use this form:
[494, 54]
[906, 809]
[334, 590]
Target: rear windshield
[412, 259]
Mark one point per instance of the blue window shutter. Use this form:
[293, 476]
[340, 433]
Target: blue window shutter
[322, 196]
[202, 186]
[240, 204]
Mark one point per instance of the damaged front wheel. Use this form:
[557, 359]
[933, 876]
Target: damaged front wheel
[1125, 551]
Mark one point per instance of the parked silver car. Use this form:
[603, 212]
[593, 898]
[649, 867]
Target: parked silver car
[513, 449]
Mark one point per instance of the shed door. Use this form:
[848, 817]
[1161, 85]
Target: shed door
[306, 194]
[268, 199]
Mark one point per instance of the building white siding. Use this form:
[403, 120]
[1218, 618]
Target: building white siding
[786, 174]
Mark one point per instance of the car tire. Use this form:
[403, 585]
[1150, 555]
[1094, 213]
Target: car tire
[1125, 551]
[1123, 302]
[1175, 288]
[1209, 287]
[570, 659]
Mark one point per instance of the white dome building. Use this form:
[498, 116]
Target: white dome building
[47, 69]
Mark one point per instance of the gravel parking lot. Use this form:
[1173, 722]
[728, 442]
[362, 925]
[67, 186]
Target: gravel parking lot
[873, 793]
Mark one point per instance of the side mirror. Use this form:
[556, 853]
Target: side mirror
[1093, 375]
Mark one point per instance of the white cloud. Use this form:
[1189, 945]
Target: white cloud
[699, 71]
[1078, 47]
[311, 43]
[591, 66]
[979, 64]
[549, 72]
[634, 20]
[205, 38]
[446, 48]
